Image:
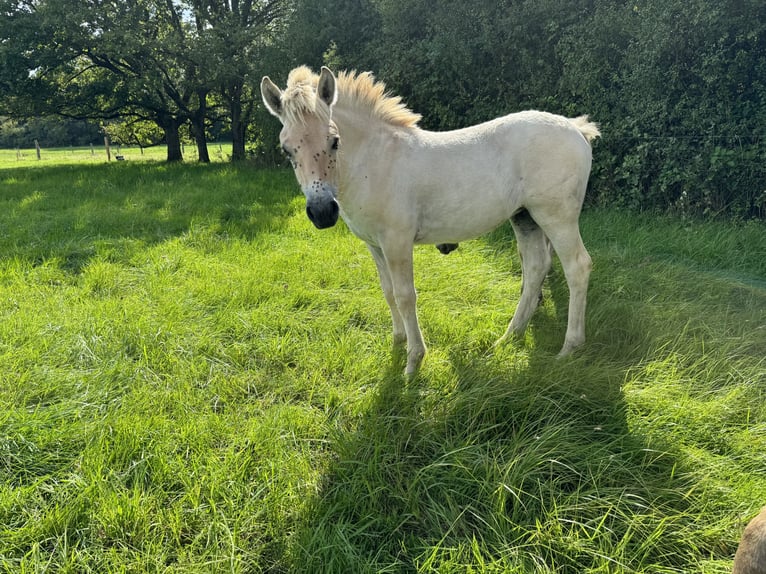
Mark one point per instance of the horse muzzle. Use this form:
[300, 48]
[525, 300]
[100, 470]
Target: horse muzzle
[321, 206]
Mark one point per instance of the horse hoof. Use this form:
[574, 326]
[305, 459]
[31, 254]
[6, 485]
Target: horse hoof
[414, 360]
[509, 336]
[447, 248]
[568, 349]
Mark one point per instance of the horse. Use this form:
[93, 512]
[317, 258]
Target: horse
[750, 557]
[358, 153]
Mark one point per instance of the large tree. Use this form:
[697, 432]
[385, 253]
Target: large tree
[235, 34]
[107, 59]
[158, 60]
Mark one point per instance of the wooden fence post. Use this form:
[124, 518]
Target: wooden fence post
[108, 151]
[37, 149]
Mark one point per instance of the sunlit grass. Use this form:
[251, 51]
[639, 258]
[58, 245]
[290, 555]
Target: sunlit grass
[97, 154]
[194, 379]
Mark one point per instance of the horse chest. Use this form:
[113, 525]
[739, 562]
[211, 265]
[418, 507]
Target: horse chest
[360, 224]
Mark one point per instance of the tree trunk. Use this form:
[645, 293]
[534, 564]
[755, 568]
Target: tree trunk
[237, 123]
[173, 139]
[198, 128]
[202, 153]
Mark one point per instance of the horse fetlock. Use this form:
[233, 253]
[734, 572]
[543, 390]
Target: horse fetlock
[512, 334]
[570, 345]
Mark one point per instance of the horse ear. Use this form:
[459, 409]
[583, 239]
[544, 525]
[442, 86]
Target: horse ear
[326, 90]
[272, 96]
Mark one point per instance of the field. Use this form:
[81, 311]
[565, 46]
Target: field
[96, 155]
[194, 379]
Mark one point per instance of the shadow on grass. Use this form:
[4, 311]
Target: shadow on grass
[518, 465]
[70, 212]
[525, 463]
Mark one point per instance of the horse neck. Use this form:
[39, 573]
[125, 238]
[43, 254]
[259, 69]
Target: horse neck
[358, 136]
[355, 129]
[362, 137]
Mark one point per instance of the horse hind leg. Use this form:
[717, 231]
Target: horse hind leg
[576, 262]
[535, 253]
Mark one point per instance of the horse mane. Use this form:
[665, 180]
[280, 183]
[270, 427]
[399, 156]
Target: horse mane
[358, 90]
[299, 97]
[362, 90]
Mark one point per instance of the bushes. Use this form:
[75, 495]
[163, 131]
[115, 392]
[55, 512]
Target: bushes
[50, 131]
[677, 85]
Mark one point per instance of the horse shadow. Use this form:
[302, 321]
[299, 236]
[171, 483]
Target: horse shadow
[523, 458]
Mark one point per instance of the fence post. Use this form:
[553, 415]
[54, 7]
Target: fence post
[37, 149]
[108, 151]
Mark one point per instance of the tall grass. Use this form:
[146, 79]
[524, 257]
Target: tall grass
[193, 379]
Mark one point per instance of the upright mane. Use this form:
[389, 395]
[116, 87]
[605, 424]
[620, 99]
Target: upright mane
[357, 90]
[299, 97]
[361, 90]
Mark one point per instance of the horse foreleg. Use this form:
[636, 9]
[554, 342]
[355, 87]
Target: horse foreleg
[400, 335]
[535, 253]
[398, 258]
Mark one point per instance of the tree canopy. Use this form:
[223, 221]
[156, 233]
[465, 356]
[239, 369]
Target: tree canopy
[678, 86]
[161, 61]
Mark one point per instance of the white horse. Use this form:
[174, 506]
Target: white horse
[396, 185]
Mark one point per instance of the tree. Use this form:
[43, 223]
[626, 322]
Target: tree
[106, 59]
[235, 34]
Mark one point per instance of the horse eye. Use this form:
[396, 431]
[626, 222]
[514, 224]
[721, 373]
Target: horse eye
[288, 155]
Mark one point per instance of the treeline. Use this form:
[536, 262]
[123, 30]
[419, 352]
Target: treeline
[678, 86]
[50, 131]
[145, 69]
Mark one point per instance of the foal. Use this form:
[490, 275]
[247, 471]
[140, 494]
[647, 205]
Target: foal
[358, 152]
[751, 553]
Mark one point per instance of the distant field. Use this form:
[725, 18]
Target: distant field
[193, 379]
[97, 154]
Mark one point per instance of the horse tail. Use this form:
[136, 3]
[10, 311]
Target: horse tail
[587, 128]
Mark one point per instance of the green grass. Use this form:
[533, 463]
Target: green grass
[194, 379]
[96, 154]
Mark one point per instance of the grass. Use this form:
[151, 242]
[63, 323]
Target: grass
[193, 379]
[96, 154]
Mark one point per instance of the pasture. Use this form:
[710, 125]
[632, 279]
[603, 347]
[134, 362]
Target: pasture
[194, 379]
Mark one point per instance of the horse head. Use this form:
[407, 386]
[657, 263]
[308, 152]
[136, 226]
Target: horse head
[309, 137]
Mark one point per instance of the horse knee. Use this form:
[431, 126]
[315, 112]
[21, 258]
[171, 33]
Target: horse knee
[577, 267]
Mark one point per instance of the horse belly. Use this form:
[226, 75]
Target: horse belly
[453, 221]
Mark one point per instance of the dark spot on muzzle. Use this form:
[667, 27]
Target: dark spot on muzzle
[323, 214]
